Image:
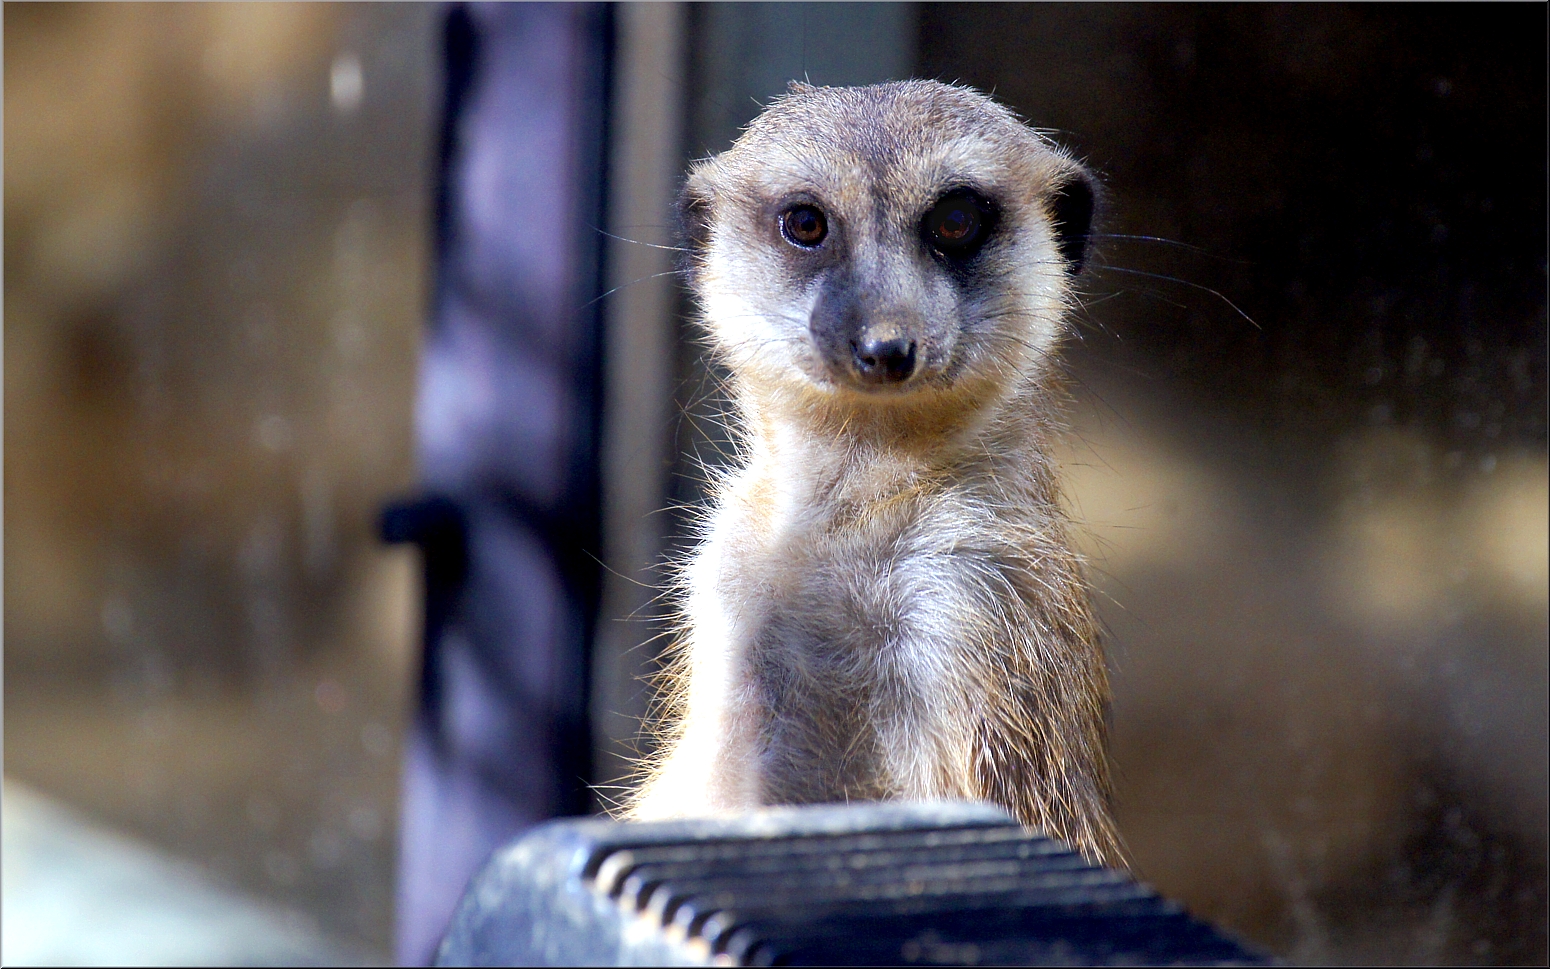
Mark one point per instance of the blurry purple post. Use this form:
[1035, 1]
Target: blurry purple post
[507, 424]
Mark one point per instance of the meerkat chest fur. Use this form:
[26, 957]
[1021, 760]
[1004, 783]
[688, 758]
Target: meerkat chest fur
[883, 603]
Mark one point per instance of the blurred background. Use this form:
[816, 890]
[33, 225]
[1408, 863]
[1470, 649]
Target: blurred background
[1308, 445]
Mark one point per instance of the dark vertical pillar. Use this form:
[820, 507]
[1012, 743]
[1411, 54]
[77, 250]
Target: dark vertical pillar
[507, 424]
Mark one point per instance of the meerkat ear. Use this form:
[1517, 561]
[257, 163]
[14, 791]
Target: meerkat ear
[694, 203]
[799, 87]
[1072, 208]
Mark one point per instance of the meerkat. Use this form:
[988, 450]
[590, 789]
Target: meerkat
[883, 602]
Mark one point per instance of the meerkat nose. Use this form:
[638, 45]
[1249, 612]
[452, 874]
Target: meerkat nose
[889, 361]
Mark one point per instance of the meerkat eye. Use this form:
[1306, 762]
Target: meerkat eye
[958, 223]
[804, 225]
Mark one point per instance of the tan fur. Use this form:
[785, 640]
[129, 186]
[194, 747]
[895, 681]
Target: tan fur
[883, 603]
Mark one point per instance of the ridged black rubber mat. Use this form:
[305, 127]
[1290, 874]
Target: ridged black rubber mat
[875, 884]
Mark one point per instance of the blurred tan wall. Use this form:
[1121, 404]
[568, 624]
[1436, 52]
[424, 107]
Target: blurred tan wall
[1328, 723]
[216, 266]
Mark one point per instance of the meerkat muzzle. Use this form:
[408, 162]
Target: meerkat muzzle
[868, 341]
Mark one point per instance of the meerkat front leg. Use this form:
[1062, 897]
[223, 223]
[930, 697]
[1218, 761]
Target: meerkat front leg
[707, 762]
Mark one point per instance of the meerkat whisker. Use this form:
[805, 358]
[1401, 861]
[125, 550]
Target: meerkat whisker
[638, 242]
[633, 282]
[1184, 282]
[1171, 242]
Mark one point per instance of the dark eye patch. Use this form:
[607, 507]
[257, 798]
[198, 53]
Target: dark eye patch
[959, 223]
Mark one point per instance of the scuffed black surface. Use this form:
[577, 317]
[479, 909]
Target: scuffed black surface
[878, 884]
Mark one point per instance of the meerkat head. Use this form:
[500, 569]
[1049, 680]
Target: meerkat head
[881, 244]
